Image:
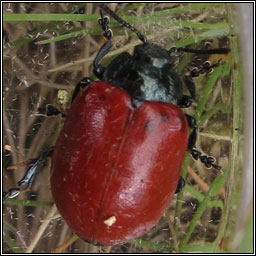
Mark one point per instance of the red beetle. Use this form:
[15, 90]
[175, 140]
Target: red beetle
[117, 160]
[116, 165]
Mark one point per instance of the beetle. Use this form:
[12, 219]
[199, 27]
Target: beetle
[117, 161]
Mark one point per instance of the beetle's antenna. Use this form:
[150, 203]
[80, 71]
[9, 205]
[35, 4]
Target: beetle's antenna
[207, 51]
[123, 23]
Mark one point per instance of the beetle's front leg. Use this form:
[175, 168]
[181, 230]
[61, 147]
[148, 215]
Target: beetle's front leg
[186, 100]
[82, 84]
[29, 177]
[98, 69]
[50, 110]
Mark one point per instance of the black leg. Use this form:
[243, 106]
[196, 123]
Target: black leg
[186, 100]
[50, 110]
[193, 135]
[29, 177]
[98, 70]
[181, 185]
[204, 69]
[84, 82]
[208, 161]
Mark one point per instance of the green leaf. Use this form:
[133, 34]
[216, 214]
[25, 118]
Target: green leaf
[27, 202]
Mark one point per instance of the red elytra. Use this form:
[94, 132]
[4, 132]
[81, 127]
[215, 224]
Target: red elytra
[115, 167]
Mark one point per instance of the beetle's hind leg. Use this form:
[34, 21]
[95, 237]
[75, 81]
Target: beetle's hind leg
[208, 161]
[29, 177]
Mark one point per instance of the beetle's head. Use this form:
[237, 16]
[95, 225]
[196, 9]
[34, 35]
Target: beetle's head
[148, 75]
[154, 76]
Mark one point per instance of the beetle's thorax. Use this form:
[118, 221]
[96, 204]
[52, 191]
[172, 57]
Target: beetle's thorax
[148, 75]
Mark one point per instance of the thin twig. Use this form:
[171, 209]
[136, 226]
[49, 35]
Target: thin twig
[41, 229]
[66, 244]
[168, 216]
[201, 183]
[88, 60]
[107, 249]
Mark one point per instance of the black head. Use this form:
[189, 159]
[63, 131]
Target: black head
[148, 74]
